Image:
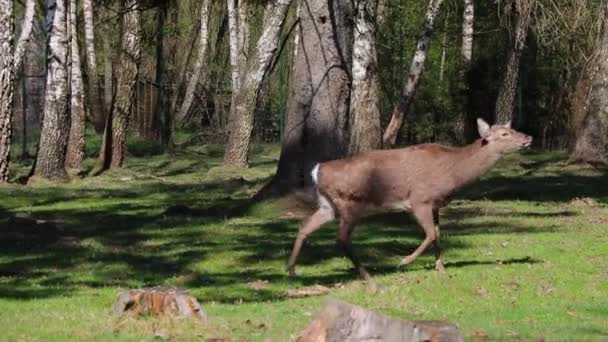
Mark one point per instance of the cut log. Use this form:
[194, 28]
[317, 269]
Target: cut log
[340, 321]
[158, 300]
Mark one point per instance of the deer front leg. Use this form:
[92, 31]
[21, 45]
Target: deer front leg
[424, 216]
[313, 223]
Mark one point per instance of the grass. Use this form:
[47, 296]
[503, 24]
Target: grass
[525, 258]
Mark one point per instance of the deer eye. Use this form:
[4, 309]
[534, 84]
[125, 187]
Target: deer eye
[505, 134]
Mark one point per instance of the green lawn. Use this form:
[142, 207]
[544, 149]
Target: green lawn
[524, 257]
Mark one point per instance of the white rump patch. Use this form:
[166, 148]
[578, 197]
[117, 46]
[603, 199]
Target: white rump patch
[315, 174]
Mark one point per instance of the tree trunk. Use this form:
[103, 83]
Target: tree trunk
[165, 57]
[113, 149]
[242, 109]
[366, 130]
[413, 78]
[50, 159]
[468, 20]
[340, 321]
[319, 95]
[26, 32]
[201, 58]
[97, 112]
[108, 77]
[75, 153]
[233, 29]
[245, 12]
[592, 139]
[7, 75]
[505, 103]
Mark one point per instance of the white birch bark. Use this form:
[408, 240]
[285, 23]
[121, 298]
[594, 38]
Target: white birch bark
[201, 58]
[366, 131]
[125, 85]
[50, 159]
[75, 152]
[413, 77]
[244, 103]
[26, 32]
[95, 106]
[233, 30]
[7, 74]
[468, 20]
[244, 33]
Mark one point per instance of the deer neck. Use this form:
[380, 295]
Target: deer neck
[473, 161]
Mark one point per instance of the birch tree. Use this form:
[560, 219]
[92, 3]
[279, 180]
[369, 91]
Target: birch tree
[95, 107]
[7, 70]
[366, 131]
[26, 33]
[233, 31]
[50, 158]
[75, 152]
[505, 103]
[412, 80]
[201, 58]
[113, 148]
[591, 144]
[244, 101]
[468, 20]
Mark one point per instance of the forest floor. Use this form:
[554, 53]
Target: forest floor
[526, 254]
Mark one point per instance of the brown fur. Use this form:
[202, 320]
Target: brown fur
[420, 179]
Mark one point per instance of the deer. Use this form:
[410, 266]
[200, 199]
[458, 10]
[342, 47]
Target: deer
[419, 179]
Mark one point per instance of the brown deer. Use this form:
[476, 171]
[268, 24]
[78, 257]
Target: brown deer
[418, 178]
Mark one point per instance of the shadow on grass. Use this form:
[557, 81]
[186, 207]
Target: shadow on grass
[154, 233]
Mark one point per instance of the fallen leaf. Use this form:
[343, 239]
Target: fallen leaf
[571, 313]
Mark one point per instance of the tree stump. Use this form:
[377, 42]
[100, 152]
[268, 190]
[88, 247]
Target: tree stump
[340, 321]
[158, 300]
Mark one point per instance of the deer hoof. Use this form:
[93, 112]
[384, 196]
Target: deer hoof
[292, 273]
[439, 266]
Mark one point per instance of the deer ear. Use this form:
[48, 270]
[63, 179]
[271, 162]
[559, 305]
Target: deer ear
[483, 128]
[508, 124]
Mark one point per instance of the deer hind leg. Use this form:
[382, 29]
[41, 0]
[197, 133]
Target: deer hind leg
[424, 216]
[324, 214]
[438, 257]
[344, 241]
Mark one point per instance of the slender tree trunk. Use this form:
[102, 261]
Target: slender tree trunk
[244, 103]
[7, 75]
[75, 153]
[50, 159]
[201, 58]
[95, 107]
[113, 149]
[366, 130]
[319, 95]
[233, 29]
[468, 20]
[245, 12]
[108, 77]
[592, 139]
[413, 78]
[26, 32]
[505, 103]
